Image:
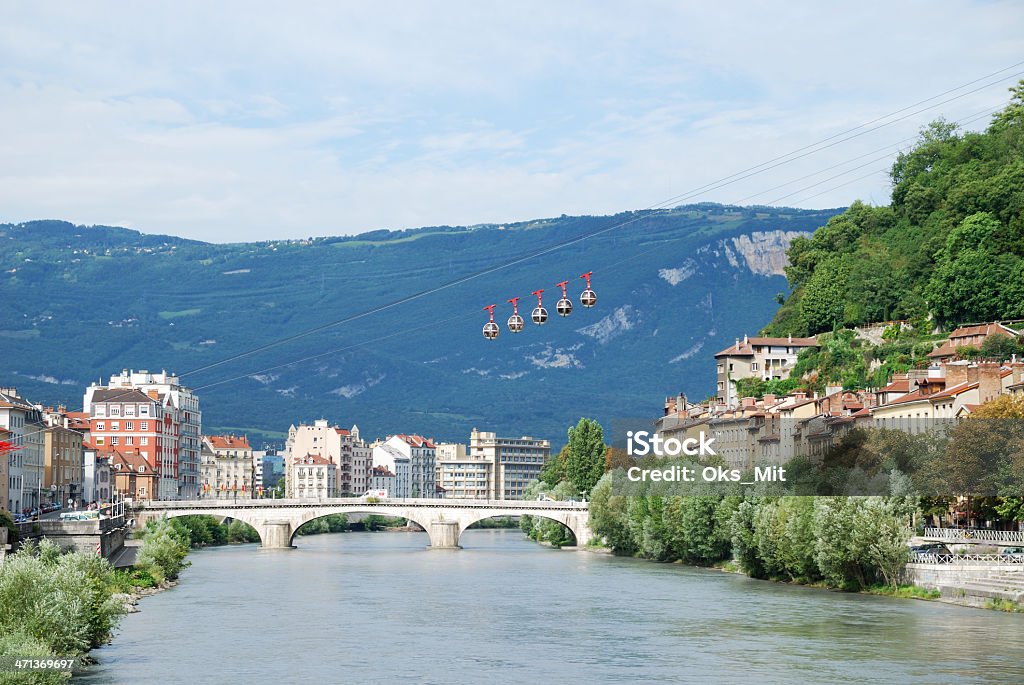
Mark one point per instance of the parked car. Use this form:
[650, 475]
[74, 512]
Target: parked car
[1012, 554]
[929, 549]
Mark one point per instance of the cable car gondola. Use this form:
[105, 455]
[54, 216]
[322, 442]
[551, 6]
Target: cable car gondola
[491, 328]
[515, 322]
[539, 314]
[564, 305]
[588, 298]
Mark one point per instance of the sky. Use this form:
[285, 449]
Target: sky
[255, 121]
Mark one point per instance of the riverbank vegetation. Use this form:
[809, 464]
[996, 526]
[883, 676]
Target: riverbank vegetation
[841, 542]
[54, 604]
[571, 474]
[949, 249]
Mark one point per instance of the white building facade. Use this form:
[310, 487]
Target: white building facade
[26, 463]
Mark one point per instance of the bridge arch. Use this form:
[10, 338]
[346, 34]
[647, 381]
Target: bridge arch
[579, 530]
[254, 522]
[420, 521]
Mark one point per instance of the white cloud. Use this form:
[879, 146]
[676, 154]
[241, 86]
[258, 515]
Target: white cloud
[277, 122]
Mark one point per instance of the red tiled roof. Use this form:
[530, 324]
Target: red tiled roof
[382, 472]
[229, 442]
[416, 440]
[130, 462]
[917, 395]
[981, 329]
[897, 385]
[312, 459]
[746, 349]
[343, 431]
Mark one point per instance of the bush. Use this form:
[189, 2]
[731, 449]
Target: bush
[163, 552]
[19, 643]
[63, 600]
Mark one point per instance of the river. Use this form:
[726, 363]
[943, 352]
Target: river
[378, 607]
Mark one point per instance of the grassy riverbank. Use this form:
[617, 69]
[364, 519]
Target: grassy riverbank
[56, 604]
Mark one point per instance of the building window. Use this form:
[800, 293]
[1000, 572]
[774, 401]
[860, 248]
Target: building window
[129, 425]
[144, 425]
[115, 425]
[753, 366]
[144, 440]
[100, 425]
[128, 440]
[114, 440]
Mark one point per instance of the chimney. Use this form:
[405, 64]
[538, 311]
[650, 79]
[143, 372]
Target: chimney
[989, 383]
[746, 340]
[832, 390]
[799, 396]
[956, 373]
[749, 402]
[737, 343]
[769, 399]
[790, 338]
[1018, 372]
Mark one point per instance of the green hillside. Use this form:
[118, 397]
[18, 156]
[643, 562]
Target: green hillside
[950, 245]
[674, 286]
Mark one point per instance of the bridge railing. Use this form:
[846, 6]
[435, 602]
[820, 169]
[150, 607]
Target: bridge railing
[975, 534]
[967, 559]
[356, 501]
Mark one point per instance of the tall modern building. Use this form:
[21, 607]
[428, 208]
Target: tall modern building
[168, 435]
[514, 462]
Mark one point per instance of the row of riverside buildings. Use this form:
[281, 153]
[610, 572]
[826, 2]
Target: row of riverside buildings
[775, 429]
[325, 460]
[140, 436]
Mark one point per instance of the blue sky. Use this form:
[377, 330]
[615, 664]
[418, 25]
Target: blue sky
[250, 121]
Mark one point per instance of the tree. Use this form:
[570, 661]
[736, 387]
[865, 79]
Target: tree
[585, 456]
[1001, 347]
[617, 458]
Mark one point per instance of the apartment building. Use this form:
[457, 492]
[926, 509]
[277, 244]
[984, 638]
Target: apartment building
[312, 477]
[134, 477]
[63, 458]
[381, 480]
[228, 467]
[387, 456]
[5, 469]
[514, 462]
[342, 446]
[970, 337]
[421, 455]
[462, 476]
[173, 420]
[25, 472]
[763, 358]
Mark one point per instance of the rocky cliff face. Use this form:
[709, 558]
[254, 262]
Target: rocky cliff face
[765, 251]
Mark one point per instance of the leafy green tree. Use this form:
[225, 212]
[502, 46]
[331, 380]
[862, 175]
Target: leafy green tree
[1001, 347]
[823, 305]
[609, 516]
[163, 551]
[585, 456]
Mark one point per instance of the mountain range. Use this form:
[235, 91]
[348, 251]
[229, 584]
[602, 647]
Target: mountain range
[383, 329]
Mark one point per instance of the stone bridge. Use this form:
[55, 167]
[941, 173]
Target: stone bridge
[276, 520]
